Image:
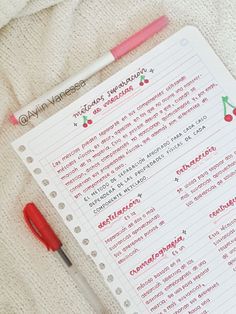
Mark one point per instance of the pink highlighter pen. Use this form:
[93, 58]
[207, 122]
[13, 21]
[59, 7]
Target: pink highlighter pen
[114, 54]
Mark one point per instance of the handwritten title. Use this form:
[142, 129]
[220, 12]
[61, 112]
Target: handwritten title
[111, 95]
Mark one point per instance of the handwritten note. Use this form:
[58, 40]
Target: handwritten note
[142, 170]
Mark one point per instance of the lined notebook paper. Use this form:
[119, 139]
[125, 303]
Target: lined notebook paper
[142, 170]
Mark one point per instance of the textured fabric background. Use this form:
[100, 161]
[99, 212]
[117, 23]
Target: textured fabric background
[42, 42]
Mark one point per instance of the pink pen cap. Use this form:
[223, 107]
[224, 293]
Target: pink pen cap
[13, 119]
[138, 38]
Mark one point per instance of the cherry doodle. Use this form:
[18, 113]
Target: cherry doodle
[86, 121]
[143, 80]
[228, 117]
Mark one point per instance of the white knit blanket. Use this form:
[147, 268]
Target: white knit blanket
[42, 42]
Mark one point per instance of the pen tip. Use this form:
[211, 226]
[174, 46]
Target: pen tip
[64, 257]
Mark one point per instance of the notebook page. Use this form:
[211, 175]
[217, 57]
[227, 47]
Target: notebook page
[142, 170]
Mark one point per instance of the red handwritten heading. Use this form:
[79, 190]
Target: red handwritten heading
[223, 207]
[196, 160]
[156, 255]
[117, 214]
[110, 95]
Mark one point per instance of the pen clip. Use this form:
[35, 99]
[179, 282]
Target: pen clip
[34, 229]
